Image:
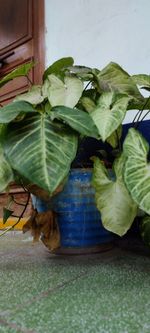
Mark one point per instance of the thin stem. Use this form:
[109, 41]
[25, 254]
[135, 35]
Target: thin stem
[13, 215]
[31, 83]
[140, 113]
[87, 85]
[4, 232]
[145, 115]
[23, 186]
[136, 115]
[27, 202]
[18, 203]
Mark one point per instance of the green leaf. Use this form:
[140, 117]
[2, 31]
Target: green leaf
[58, 66]
[88, 104]
[145, 230]
[6, 214]
[137, 169]
[109, 113]
[3, 131]
[33, 96]
[65, 93]
[141, 104]
[142, 80]
[115, 204]
[12, 110]
[6, 174]
[83, 72]
[40, 150]
[115, 137]
[114, 78]
[77, 119]
[22, 70]
[80, 69]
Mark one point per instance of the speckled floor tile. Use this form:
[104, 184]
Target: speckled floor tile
[104, 293]
[26, 271]
[112, 298]
[4, 329]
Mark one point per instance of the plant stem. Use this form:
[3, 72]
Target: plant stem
[136, 115]
[31, 83]
[145, 115]
[140, 113]
[87, 85]
[18, 203]
[4, 232]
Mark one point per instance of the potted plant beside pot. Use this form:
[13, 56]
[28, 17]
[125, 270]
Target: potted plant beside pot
[42, 132]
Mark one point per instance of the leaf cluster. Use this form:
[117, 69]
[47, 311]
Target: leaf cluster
[41, 130]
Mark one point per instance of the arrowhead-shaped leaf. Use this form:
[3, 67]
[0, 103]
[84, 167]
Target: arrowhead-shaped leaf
[142, 80]
[6, 214]
[6, 174]
[77, 119]
[12, 110]
[82, 72]
[40, 150]
[137, 169]
[115, 204]
[141, 104]
[22, 70]
[58, 66]
[65, 93]
[33, 96]
[109, 113]
[114, 78]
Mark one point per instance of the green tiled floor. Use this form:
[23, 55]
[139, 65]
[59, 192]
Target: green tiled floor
[43, 293]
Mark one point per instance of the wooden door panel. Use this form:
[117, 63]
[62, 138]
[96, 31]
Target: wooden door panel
[15, 23]
[22, 41]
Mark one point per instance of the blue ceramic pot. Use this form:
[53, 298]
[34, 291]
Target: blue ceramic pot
[78, 218]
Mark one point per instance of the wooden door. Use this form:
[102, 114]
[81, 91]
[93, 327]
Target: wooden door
[21, 40]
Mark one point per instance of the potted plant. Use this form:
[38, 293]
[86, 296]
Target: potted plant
[42, 132]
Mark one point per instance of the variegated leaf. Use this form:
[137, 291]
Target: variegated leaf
[6, 174]
[109, 113]
[11, 111]
[40, 150]
[77, 119]
[58, 66]
[65, 93]
[113, 200]
[114, 78]
[142, 80]
[137, 169]
[33, 96]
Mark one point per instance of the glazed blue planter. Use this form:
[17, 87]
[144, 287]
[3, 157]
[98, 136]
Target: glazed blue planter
[78, 218]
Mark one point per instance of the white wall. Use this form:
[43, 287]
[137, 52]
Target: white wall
[95, 32]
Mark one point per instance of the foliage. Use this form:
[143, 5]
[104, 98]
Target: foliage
[41, 131]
